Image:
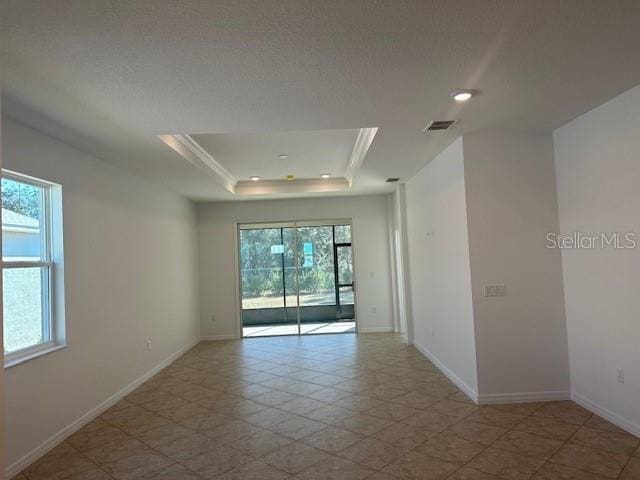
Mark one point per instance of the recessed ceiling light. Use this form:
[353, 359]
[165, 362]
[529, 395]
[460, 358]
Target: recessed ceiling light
[326, 175]
[283, 156]
[462, 95]
[254, 178]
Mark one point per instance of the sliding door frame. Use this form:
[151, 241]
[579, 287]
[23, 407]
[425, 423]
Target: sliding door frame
[293, 224]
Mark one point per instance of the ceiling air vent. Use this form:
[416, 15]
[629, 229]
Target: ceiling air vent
[392, 180]
[439, 125]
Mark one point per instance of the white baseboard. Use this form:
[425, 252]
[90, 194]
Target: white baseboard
[388, 329]
[607, 414]
[219, 337]
[468, 391]
[58, 437]
[523, 397]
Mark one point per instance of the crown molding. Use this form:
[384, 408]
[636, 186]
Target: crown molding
[198, 156]
[360, 148]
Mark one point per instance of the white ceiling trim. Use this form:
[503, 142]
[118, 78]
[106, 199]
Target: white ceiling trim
[193, 152]
[360, 148]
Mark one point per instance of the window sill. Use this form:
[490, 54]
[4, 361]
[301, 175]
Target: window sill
[17, 358]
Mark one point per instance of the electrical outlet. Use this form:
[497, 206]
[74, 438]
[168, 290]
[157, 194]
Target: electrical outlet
[374, 310]
[495, 290]
[213, 318]
[620, 375]
[148, 345]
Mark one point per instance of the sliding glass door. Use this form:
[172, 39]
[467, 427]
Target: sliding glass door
[296, 279]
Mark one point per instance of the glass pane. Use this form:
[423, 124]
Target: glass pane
[22, 307]
[343, 233]
[22, 213]
[345, 265]
[265, 255]
[315, 266]
[346, 295]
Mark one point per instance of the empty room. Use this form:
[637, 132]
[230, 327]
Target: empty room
[320, 240]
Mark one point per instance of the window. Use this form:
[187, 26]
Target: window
[32, 255]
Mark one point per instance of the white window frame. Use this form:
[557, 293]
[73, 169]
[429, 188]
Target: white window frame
[52, 290]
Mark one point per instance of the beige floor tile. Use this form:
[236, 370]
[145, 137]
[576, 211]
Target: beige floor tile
[297, 428]
[565, 411]
[595, 461]
[92, 437]
[185, 447]
[174, 472]
[514, 408]
[452, 408]
[497, 419]
[334, 468]
[269, 417]
[259, 444]
[466, 473]
[231, 431]
[358, 403]
[419, 467]
[112, 452]
[547, 427]
[295, 457]
[255, 470]
[332, 439]
[382, 476]
[553, 471]
[600, 423]
[136, 466]
[631, 471]
[329, 407]
[373, 453]
[274, 398]
[206, 420]
[507, 465]
[450, 447]
[477, 432]
[392, 411]
[328, 394]
[616, 442]
[218, 461]
[301, 405]
[240, 408]
[94, 474]
[528, 444]
[363, 424]
[58, 466]
[184, 412]
[416, 400]
[329, 414]
[164, 433]
[404, 436]
[430, 420]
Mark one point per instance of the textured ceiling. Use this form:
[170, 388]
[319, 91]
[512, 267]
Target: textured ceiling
[108, 76]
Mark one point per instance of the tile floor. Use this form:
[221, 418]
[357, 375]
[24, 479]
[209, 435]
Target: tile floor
[341, 407]
[305, 329]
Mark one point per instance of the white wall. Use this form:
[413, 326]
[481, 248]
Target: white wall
[130, 267]
[2, 409]
[521, 339]
[218, 263]
[441, 304]
[598, 175]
